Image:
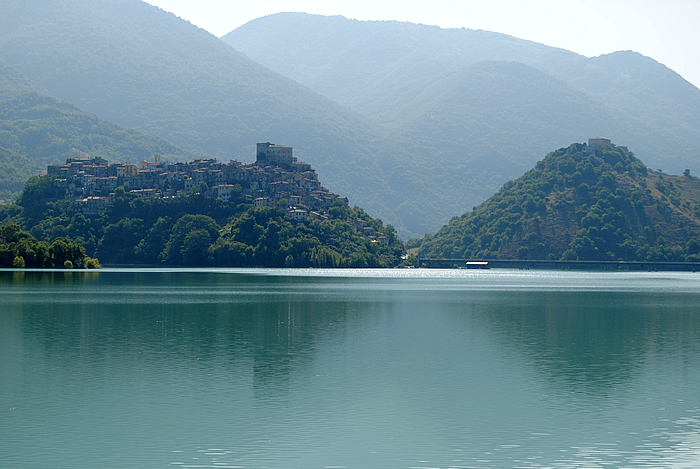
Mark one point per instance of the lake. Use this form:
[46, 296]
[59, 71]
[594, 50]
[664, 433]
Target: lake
[273, 368]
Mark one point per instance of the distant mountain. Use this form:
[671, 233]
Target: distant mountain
[366, 64]
[16, 166]
[36, 129]
[138, 66]
[12, 80]
[596, 202]
[634, 84]
[397, 74]
[421, 128]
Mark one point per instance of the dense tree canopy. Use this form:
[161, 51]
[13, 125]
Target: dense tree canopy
[580, 203]
[197, 230]
[20, 249]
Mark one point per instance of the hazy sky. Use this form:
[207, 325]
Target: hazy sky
[668, 30]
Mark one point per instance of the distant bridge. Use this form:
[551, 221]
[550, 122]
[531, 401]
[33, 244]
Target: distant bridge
[433, 263]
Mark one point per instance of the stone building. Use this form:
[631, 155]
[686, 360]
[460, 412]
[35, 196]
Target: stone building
[274, 155]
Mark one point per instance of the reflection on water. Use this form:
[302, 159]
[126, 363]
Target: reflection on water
[595, 342]
[275, 368]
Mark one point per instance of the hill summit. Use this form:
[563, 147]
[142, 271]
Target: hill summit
[593, 201]
[273, 213]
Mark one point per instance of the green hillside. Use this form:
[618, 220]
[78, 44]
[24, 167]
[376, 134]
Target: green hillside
[195, 228]
[37, 129]
[581, 203]
[441, 131]
[16, 170]
[138, 66]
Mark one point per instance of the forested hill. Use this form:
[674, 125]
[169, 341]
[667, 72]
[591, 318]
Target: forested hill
[37, 129]
[581, 203]
[138, 66]
[169, 224]
[477, 108]
[444, 132]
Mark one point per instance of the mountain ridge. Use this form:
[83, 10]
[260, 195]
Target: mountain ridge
[194, 91]
[413, 56]
[133, 64]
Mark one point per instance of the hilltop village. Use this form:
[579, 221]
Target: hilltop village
[271, 213]
[276, 175]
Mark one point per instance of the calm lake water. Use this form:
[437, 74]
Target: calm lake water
[358, 369]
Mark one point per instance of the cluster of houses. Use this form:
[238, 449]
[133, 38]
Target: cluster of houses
[276, 175]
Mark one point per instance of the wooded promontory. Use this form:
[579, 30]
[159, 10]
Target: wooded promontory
[273, 213]
[593, 201]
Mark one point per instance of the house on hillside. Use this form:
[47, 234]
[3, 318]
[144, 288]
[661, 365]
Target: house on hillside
[263, 202]
[274, 177]
[90, 205]
[224, 191]
[297, 214]
[600, 142]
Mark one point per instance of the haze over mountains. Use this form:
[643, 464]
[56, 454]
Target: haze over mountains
[414, 123]
[368, 65]
[141, 67]
[37, 129]
[405, 76]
